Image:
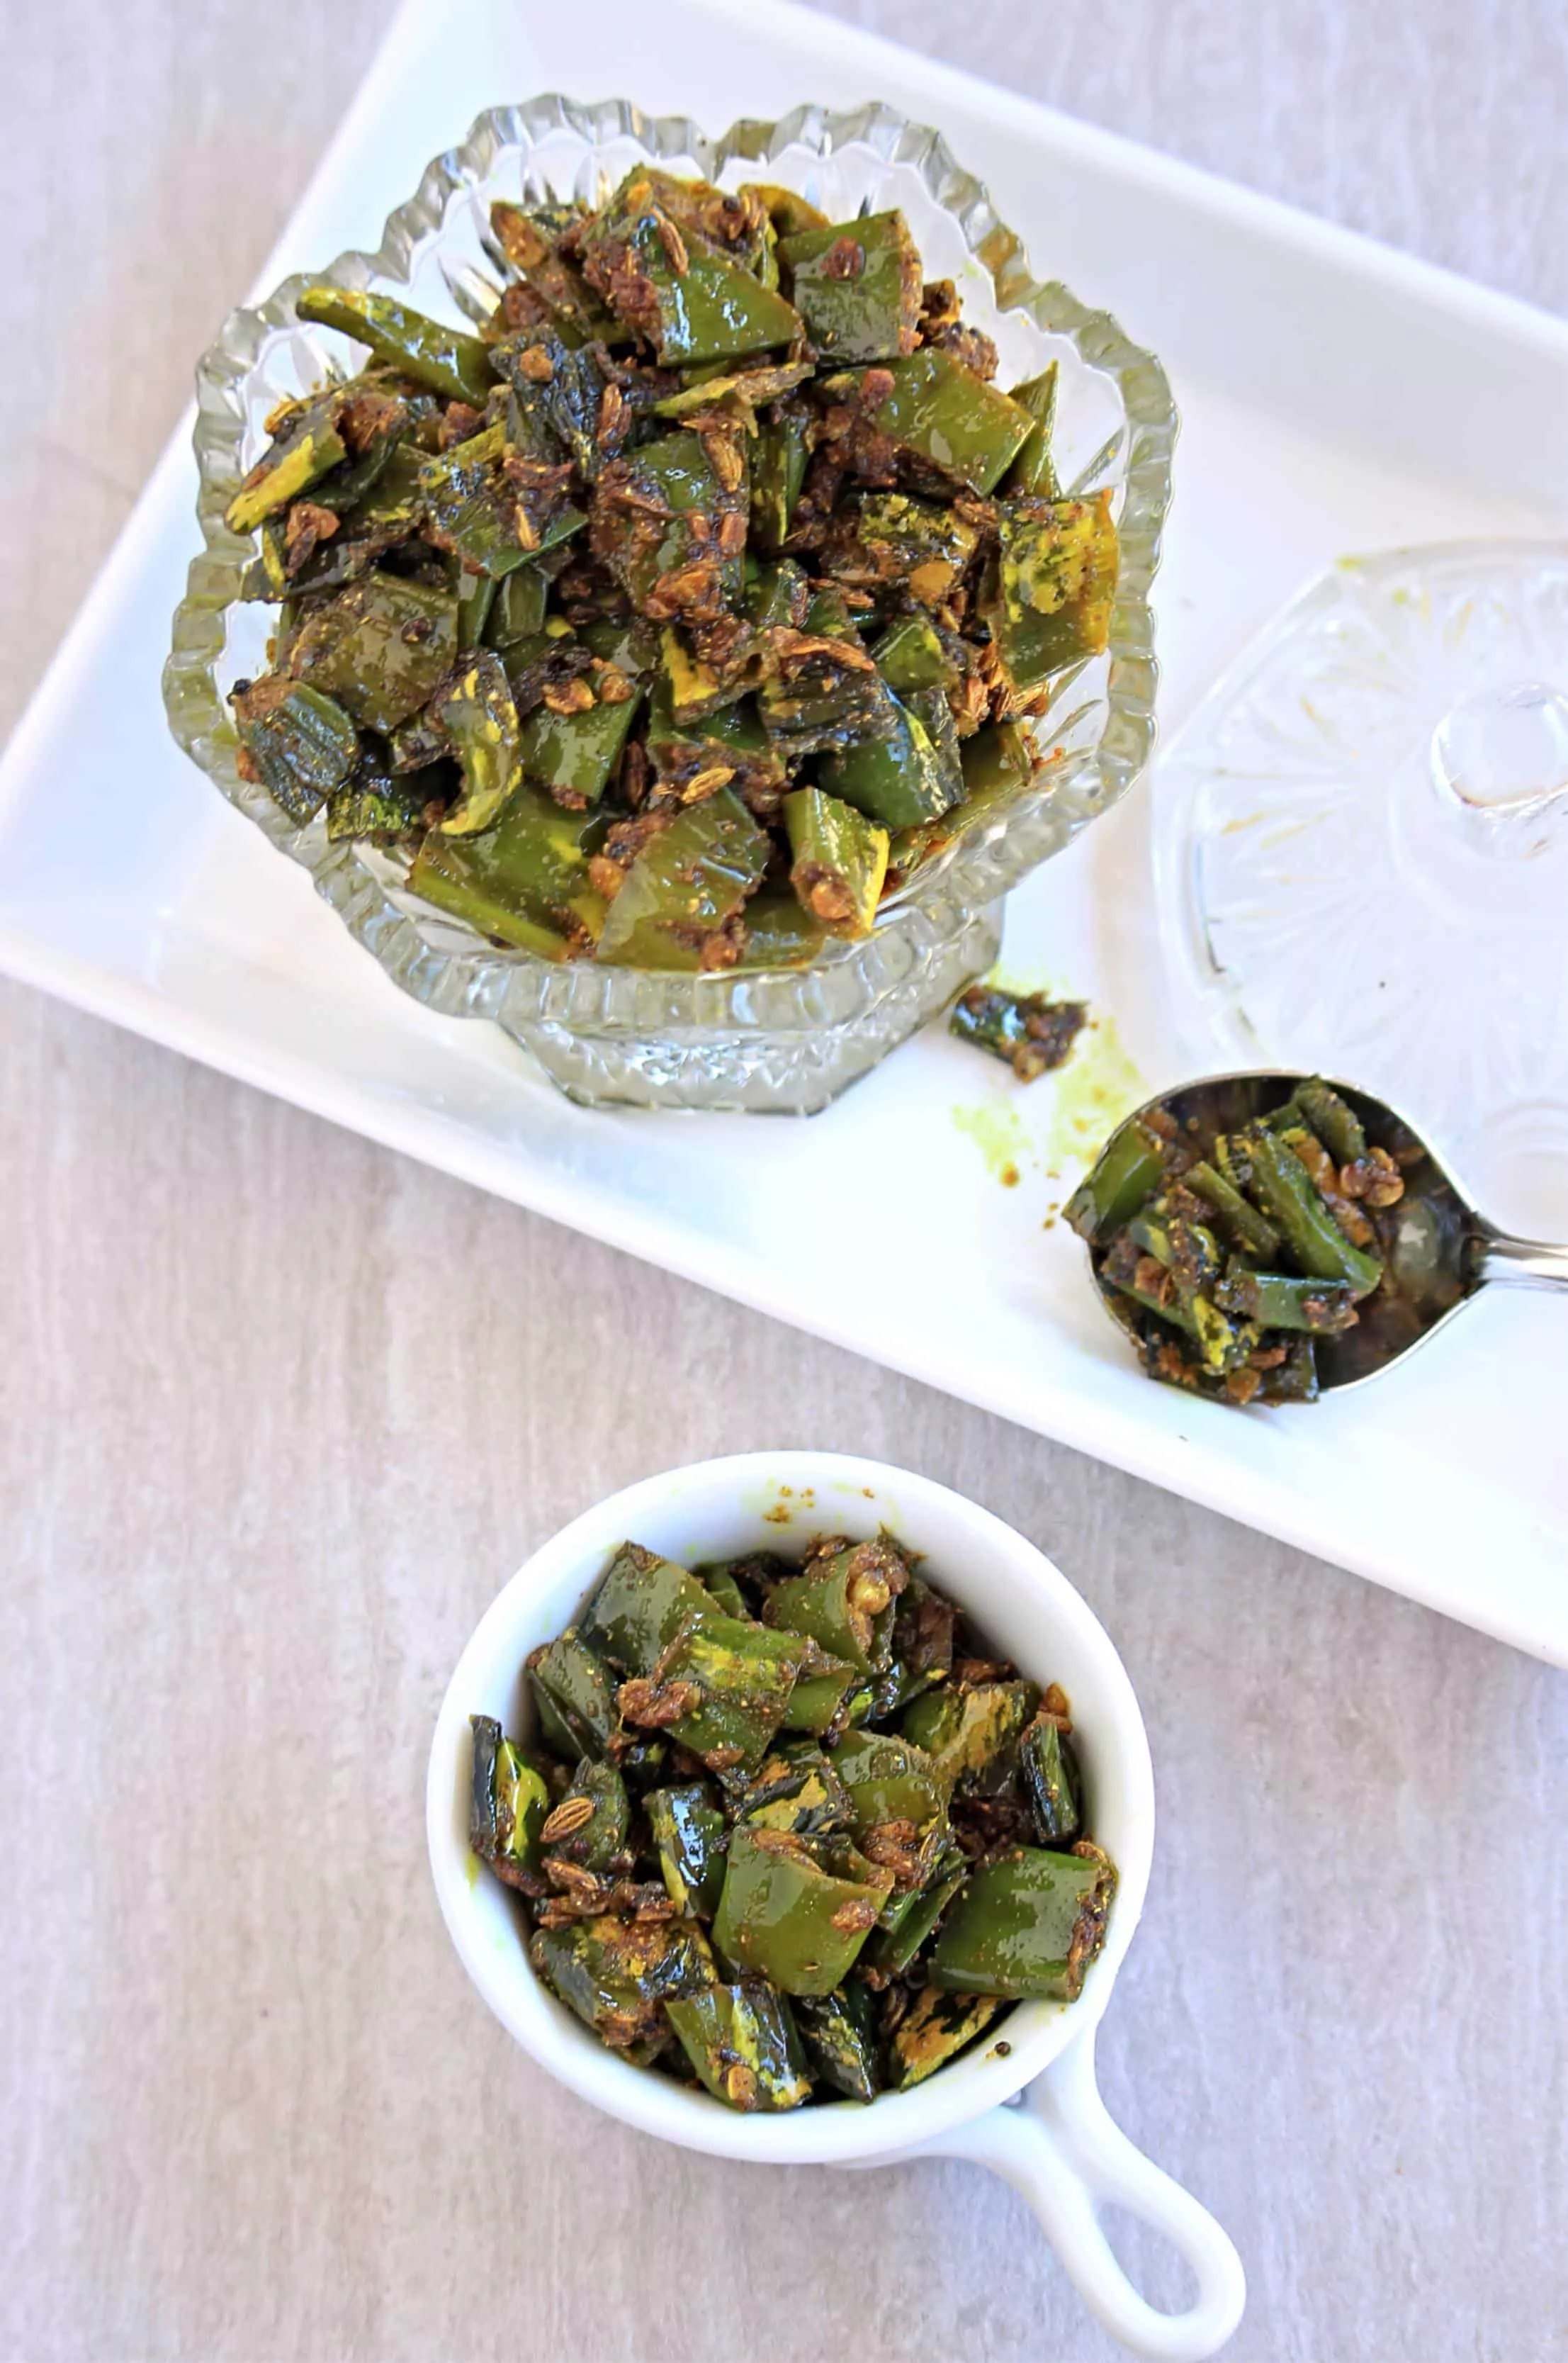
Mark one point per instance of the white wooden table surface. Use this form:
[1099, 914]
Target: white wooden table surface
[279, 1412]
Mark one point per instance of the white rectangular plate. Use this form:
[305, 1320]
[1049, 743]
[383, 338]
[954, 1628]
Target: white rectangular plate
[1329, 390]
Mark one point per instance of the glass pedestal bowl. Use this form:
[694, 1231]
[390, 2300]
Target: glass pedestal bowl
[783, 1040]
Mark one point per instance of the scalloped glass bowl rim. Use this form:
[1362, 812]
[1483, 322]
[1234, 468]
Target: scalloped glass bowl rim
[982, 861]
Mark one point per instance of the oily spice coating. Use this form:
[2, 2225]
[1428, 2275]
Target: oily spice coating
[1252, 1252]
[677, 615]
[786, 1831]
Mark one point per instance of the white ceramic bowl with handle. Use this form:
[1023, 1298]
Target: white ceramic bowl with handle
[1059, 2148]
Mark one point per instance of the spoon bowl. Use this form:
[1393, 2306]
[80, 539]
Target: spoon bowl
[1440, 1251]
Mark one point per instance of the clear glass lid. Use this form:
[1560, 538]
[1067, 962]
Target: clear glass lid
[1362, 853]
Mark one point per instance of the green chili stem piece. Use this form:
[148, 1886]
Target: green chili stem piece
[446, 359]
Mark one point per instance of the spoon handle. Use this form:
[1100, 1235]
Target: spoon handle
[1524, 1263]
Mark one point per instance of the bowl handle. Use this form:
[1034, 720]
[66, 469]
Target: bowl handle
[1067, 2156]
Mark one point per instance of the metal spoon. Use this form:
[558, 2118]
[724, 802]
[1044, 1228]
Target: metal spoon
[1444, 1249]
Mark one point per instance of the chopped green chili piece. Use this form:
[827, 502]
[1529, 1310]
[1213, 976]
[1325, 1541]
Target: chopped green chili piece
[301, 745]
[476, 712]
[688, 1831]
[1123, 1176]
[777, 473]
[381, 647]
[796, 1912]
[909, 655]
[684, 886]
[590, 1825]
[1335, 1122]
[577, 751]
[1034, 471]
[838, 2030]
[1056, 586]
[969, 1731]
[1281, 1301]
[1283, 1183]
[309, 449]
[903, 1934]
[621, 1976]
[898, 778]
[446, 359]
[526, 881]
[935, 2031]
[573, 1695]
[508, 1804]
[642, 1604]
[743, 2042]
[949, 418]
[517, 612]
[1239, 1218]
[1048, 1771]
[1027, 1031]
[1027, 1927]
[838, 860]
[378, 806]
[796, 1788]
[856, 286]
[840, 1600]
